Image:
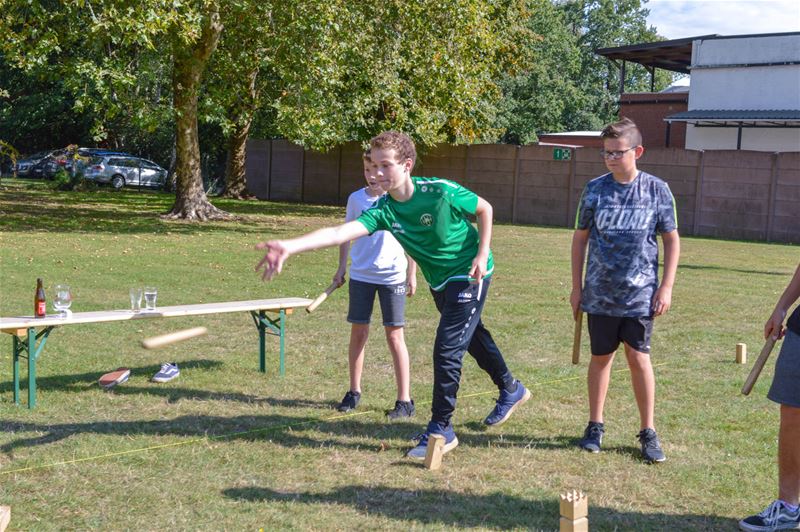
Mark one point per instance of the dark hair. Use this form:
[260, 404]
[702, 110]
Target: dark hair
[397, 141]
[624, 129]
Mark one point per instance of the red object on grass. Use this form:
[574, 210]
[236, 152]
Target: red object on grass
[118, 376]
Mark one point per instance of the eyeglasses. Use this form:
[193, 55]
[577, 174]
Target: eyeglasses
[615, 154]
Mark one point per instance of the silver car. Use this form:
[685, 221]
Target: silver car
[123, 170]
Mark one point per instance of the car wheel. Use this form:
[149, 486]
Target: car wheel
[117, 182]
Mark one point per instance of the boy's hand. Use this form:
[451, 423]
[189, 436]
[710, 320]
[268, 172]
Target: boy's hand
[575, 301]
[478, 269]
[411, 286]
[662, 301]
[338, 278]
[272, 263]
[774, 325]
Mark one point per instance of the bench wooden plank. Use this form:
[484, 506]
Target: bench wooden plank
[11, 325]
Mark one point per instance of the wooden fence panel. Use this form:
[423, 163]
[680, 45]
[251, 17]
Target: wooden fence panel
[786, 221]
[735, 194]
[321, 176]
[726, 194]
[257, 167]
[286, 180]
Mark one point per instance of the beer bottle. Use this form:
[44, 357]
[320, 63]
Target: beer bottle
[39, 308]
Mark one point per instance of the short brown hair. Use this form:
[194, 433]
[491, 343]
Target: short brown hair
[397, 141]
[624, 129]
[367, 153]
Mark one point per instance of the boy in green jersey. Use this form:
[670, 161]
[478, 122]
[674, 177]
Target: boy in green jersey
[429, 217]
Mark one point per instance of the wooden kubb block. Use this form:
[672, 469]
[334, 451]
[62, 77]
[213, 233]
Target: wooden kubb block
[741, 353]
[574, 509]
[433, 456]
[5, 517]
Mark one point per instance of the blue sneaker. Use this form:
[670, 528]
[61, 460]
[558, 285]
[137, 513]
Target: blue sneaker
[651, 446]
[450, 440]
[775, 517]
[167, 372]
[592, 437]
[506, 404]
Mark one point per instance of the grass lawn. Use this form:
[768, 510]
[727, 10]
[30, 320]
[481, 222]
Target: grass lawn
[226, 447]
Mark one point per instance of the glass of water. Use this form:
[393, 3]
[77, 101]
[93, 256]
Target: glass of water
[150, 295]
[62, 299]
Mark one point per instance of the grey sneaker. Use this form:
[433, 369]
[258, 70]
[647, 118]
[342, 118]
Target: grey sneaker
[775, 517]
[402, 409]
[592, 437]
[421, 449]
[350, 402]
[651, 446]
[167, 372]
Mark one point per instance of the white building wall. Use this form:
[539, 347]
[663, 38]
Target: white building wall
[721, 80]
[756, 139]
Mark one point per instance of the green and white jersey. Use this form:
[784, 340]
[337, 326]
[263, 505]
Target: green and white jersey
[433, 228]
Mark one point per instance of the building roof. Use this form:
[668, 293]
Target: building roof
[722, 117]
[674, 55]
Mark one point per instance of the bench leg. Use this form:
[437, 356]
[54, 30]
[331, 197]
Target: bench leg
[32, 368]
[18, 347]
[32, 350]
[262, 341]
[266, 326]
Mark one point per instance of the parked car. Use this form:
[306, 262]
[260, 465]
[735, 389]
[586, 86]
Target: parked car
[125, 170]
[25, 166]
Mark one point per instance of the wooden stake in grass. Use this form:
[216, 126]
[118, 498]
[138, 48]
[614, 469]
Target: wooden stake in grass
[322, 297]
[171, 338]
[576, 341]
[574, 508]
[758, 366]
[5, 517]
[433, 455]
[741, 353]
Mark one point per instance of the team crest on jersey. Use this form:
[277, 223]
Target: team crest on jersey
[426, 219]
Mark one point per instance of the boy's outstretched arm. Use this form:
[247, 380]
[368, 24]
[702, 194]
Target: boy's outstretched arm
[672, 250]
[280, 250]
[484, 213]
[774, 325]
[580, 239]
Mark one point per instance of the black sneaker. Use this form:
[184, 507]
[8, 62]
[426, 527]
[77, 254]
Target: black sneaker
[776, 517]
[651, 447]
[401, 409]
[592, 437]
[350, 402]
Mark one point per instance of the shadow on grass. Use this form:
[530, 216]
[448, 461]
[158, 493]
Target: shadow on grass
[27, 208]
[732, 270]
[82, 381]
[444, 508]
[329, 429]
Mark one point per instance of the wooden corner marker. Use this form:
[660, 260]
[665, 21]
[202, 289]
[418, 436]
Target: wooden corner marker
[433, 456]
[5, 517]
[741, 353]
[574, 508]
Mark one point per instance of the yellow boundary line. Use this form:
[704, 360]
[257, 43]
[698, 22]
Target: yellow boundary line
[264, 429]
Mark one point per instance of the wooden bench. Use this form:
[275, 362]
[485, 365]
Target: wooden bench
[23, 329]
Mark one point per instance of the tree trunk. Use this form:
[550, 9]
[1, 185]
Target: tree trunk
[235, 179]
[191, 202]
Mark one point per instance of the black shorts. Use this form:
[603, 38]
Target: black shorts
[606, 332]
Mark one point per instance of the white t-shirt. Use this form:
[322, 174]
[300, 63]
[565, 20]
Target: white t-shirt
[378, 258]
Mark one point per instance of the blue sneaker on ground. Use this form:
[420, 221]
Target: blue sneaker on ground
[775, 517]
[592, 437]
[450, 440]
[506, 404]
[167, 372]
[651, 446]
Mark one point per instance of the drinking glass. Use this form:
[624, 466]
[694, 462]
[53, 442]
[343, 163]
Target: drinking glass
[136, 299]
[150, 295]
[62, 300]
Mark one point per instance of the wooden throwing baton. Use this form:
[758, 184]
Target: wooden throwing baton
[576, 341]
[758, 366]
[171, 338]
[322, 297]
